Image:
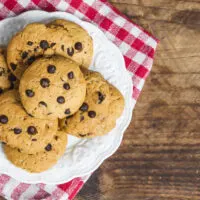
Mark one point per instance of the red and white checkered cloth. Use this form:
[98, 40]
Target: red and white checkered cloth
[137, 46]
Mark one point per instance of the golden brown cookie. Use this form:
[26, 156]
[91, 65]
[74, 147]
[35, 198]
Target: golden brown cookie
[52, 88]
[18, 129]
[98, 114]
[60, 37]
[42, 161]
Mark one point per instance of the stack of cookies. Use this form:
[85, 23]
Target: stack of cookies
[47, 92]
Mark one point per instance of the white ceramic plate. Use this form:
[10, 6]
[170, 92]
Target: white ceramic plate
[82, 156]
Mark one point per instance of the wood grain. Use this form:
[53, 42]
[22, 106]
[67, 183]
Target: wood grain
[159, 158]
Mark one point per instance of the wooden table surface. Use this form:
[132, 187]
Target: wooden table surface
[159, 158]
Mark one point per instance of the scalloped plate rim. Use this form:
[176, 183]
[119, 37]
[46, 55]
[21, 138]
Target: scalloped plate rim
[100, 158]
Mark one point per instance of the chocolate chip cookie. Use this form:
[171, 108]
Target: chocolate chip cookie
[60, 37]
[52, 88]
[20, 130]
[42, 161]
[98, 114]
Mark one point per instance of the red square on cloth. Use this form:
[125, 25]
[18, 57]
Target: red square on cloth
[141, 72]
[91, 12]
[10, 4]
[106, 23]
[122, 34]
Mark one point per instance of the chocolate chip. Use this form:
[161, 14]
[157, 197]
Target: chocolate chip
[30, 60]
[92, 114]
[101, 97]
[30, 93]
[44, 44]
[56, 137]
[3, 119]
[17, 130]
[42, 103]
[45, 82]
[51, 69]
[52, 44]
[48, 147]
[78, 46]
[34, 140]
[67, 111]
[65, 121]
[84, 107]
[35, 49]
[70, 75]
[61, 100]
[13, 66]
[63, 47]
[66, 86]
[32, 130]
[81, 118]
[12, 78]
[1, 90]
[30, 43]
[24, 55]
[19, 150]
[70, 51]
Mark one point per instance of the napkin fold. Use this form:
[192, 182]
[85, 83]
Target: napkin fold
[137, 46]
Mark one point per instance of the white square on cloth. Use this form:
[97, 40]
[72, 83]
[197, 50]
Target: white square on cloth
[139, 58]
[62, 6]
[24, 3]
